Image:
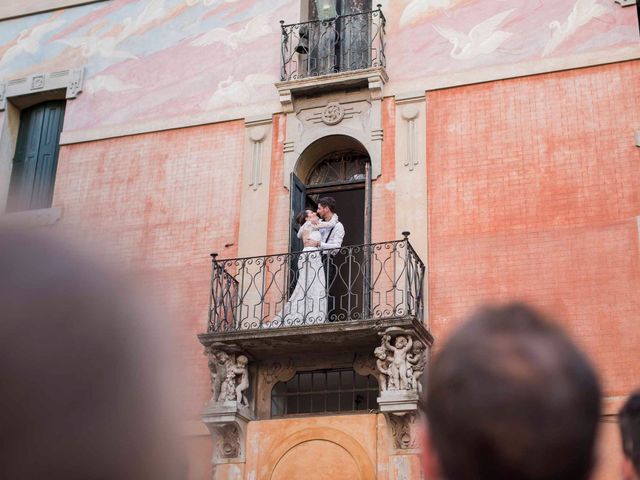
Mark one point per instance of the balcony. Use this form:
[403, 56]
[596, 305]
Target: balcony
[370, 288]
[345, 51]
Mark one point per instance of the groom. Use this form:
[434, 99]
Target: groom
[330, 245]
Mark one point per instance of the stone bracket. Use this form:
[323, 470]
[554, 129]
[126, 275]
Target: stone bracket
[71, 80]
[227, 423]
[404, 430]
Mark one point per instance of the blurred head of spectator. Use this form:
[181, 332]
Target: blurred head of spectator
[629, 418]
[510, 397]
[84, 368]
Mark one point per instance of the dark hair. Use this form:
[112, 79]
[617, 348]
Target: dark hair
[302, 216]
[328, 202]
[629, 418]
[511, 397]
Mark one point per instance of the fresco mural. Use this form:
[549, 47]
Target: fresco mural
[157, 63]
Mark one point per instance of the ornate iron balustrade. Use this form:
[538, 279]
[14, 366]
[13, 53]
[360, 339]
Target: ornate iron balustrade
[340, 44]
[373, 281]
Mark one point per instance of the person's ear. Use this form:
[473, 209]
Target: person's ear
[430, 462]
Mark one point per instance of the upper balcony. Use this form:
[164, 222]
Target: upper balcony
[283, 304]
[343, 51]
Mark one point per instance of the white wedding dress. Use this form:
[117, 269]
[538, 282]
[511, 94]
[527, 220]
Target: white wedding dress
[308, 302]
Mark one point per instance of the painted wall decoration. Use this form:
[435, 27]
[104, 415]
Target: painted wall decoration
[151, 64]
[433, 37]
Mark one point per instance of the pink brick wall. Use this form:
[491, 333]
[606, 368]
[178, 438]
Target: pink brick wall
[160, 203]
[534, 189]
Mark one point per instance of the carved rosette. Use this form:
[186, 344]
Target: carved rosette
[333, 113]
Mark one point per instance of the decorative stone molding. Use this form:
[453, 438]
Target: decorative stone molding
[404, 430]
[254, 194]
[365, 365]
[227, 423]
[70, 80]
[373, 79]
[30, 7]
[278, 371]
[409, 114]
[411, 172]
[356, 116]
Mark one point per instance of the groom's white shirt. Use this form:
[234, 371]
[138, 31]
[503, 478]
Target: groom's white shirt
[335, 242]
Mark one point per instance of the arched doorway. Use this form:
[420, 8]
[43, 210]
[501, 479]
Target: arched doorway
[338, 166]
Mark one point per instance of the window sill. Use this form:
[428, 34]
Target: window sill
[42, 217]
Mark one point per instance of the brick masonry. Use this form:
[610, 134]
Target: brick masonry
[534, 190]
[158, 204]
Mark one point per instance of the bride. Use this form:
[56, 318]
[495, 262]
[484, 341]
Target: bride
[308, 302]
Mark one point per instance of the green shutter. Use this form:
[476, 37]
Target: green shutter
[36, 158]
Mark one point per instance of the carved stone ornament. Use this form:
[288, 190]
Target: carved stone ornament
[279, 371]
[227, 424]
[70, 80]
[400, 361]
[229, 376]
[365, 365]
[404, 430]
[228, 441]
[333, 113]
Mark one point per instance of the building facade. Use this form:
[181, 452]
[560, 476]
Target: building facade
[479, 151]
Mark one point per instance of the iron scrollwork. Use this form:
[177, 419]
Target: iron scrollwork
[343, 43]
[371, 281]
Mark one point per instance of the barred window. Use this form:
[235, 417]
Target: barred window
[324, 391]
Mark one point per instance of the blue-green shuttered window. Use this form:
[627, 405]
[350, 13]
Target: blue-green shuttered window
[36, 158]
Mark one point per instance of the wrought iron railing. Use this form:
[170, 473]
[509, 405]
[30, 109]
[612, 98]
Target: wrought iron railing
[373, 281]
[340, 44]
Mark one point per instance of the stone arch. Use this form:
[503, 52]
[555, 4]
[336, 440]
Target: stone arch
[336, 438]
[296, 159]
[322, 147]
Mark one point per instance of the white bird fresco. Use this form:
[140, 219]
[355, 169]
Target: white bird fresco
[231, 92]
[28, 41]
[107, 83]
[254, 29]
[482, 39]
[582, 13]
[417, 8]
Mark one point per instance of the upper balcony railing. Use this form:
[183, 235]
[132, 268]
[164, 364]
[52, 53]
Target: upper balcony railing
[340, 44]
[362, 282]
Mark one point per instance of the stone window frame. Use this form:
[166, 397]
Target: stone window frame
[16, 95]
[21, 8]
